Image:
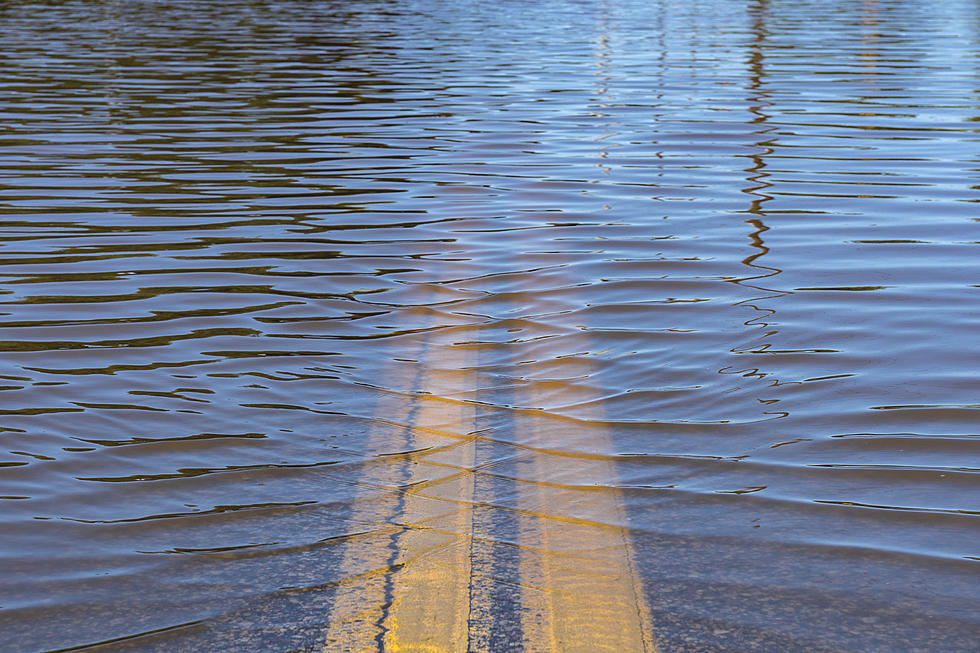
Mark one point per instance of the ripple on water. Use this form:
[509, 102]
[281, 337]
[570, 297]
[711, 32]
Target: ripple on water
[711, 261]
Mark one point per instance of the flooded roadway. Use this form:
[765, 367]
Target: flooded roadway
[445, 326]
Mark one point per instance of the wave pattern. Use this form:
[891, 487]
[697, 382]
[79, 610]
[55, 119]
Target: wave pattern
[737, 238]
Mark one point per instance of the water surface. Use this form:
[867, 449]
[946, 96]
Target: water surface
[704, 273]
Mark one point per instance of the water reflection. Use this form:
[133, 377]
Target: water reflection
[658, 310]
[757, 178]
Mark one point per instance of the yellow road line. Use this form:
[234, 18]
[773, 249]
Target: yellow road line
[582, 591]
[408, 584]
[410, 581]
[430, 608]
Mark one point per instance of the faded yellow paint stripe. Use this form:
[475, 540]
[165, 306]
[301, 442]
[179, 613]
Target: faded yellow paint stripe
[431, 588]
[581, 589]
[354, 619]
[407, 583]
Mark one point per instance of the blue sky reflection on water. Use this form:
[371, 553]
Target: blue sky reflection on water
[284, 282]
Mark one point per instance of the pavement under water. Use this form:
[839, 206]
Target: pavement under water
[448, 326]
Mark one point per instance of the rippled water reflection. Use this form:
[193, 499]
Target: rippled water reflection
[701, 271]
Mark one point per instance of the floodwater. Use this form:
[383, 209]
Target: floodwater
[492, 326]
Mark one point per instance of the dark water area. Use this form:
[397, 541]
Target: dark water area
[708, 272]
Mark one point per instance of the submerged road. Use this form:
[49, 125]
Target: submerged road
[469, 326]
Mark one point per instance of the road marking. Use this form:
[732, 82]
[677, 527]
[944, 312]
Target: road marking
[430, 607]
[409, 581]
[582, 591]
[411, 592]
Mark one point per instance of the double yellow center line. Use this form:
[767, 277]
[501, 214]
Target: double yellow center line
[409, 581]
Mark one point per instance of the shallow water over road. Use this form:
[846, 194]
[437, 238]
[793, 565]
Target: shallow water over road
[490, 326]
